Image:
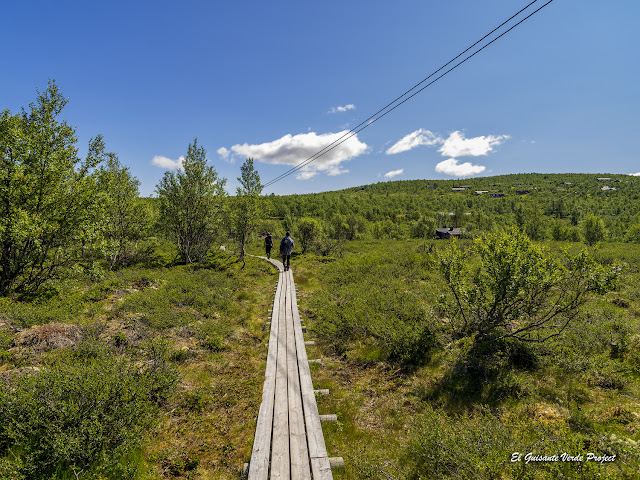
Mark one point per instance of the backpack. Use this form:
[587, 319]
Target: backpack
[284, 245]
[269, 242]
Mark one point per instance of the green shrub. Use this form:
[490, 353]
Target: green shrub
[188, 296]
[484, 446]
[79, 413]
[518, 289]
[372, 309]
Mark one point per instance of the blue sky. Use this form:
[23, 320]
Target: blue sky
[278, 80]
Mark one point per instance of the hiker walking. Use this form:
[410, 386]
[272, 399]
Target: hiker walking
[268, 244]
[286, 245]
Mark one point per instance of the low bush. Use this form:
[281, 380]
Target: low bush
[188, 295]
[371, 301]
[484, 446]
[79, 413]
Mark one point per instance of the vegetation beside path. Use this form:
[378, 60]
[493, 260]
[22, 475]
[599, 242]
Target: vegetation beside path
[173, 356]
[156, 372]
[443, 405]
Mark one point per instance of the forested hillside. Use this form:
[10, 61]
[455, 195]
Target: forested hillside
[546, 206]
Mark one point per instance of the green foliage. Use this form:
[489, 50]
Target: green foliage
[484, 446]
[308, 230]
[191, 204]
[79, 414]
[125, 216]
[423, 228]
[518, 289]
[593, 229]
[394, 209]
[535, 224]
[53, 308]
[368, 313]
[187, 296]
[49, 195]
[633, 234]
[247, 207]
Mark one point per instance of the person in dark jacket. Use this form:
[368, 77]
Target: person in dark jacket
[268, 244]
[286, 245]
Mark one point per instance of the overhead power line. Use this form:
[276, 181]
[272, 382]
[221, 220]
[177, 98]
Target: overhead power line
[397, 101]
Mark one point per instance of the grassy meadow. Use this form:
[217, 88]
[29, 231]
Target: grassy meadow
[414, 403]
[145, 372]
[155, 371]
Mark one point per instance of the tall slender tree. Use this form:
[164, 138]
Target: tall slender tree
[247, 206]
[125, 215]
[192, 204]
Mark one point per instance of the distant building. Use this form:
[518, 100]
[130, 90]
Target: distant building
[497, 194]
[603, 179]
[522, 192]
[480, 192]
[458, 189]
[607, 188]
[465, 186]
[448, 232]
[432, 186]
[567, 183]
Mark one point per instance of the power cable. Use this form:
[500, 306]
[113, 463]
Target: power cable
[315, 155]
[378, 115]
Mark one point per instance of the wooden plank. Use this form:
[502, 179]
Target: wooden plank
[280, 461]
[259, 466]
[321, 468]
[317, 449]
[300, 468]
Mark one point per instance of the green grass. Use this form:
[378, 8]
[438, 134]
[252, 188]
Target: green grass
[449, 410]
[206, 323]
[411, 401]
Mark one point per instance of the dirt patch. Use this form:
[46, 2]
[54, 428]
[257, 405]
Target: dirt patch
[545, 413]
[125, 329]
[7, 376]
[42, 338]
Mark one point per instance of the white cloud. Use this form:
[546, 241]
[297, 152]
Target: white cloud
[635, 174]
[455, 169]
[413, 140]
[305, 174]
[164, 162]
[394, 173]
[458, 146]
[342, 109]
[293, 149]
[224, 153]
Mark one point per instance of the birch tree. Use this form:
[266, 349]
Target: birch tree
[192, 204]
[247, 206]
[47, 193]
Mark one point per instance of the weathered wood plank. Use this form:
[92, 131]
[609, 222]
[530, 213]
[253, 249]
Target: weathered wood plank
[280, 459]
[259, 466]
[315, 439]
[321, 468]
[292, 447]
[300, 468]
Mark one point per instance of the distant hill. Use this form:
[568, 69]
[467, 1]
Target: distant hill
[556, 203]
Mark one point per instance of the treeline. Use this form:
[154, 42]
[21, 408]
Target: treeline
[59, 211]
[572, 207]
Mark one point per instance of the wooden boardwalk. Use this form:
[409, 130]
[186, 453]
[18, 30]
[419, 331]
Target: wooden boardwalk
[288, 443]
